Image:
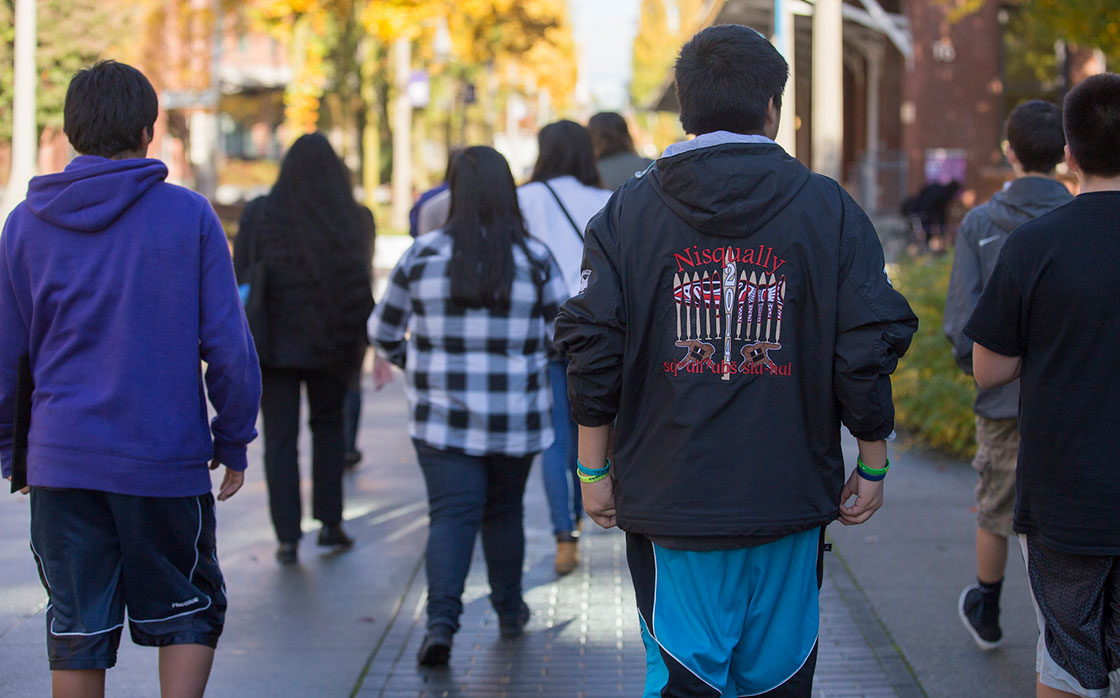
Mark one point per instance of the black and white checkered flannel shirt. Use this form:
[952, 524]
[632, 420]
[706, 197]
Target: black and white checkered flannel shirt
[476, 379]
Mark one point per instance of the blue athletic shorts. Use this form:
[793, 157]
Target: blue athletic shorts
[740, 622]
[101, 554]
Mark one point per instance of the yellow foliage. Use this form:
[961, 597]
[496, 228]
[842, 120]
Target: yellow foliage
[532, 36]
[657, 43]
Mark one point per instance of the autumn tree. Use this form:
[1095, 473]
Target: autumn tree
[7, 48]
[71, 35]
[1035, 27]
[663, 26]
[533, 36]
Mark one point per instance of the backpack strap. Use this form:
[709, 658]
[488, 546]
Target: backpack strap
[564, 209]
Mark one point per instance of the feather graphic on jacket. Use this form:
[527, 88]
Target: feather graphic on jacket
[677, 302]
[728, 307]
[706, 304]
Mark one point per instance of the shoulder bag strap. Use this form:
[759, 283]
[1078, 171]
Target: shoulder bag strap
[564, 209]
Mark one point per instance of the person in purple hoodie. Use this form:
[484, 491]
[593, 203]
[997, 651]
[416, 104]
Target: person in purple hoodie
[117, 287]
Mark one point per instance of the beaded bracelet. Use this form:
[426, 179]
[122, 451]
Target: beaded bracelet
[871, 474]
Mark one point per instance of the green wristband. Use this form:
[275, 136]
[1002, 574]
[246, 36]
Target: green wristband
[591, 480]
[873, 471]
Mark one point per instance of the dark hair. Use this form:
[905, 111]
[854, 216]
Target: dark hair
[312, 222]
[726, 75]
[452, 155]
[1092, 122]
[1034, 132]
[485, 223]
[316, 241]
[609, 134]
[108, 106]
[565, 149]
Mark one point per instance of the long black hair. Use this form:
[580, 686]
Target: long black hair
[315, 237]
[485, 223]
[311, 215]
[565, 149]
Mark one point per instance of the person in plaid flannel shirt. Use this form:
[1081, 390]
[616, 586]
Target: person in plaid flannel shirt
[477, 301]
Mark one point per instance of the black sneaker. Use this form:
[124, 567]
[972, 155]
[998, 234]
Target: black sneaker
[286, 553]
[333, 536]
[981, 622]
[513, 626]
[435, 650]
[352, 458]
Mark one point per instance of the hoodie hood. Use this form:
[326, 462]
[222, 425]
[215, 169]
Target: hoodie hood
[1025, 199]
[92, 191]
[728, 185]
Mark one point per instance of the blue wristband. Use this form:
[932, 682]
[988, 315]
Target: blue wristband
[588, 472]
[870, 478]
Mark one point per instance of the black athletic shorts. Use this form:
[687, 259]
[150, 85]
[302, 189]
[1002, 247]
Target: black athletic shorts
[101, 554]
[1077, 598]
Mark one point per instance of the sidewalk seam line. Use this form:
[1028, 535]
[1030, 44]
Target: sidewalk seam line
[862, 599]
[388, 626]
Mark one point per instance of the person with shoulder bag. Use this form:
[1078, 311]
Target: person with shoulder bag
[563, 193]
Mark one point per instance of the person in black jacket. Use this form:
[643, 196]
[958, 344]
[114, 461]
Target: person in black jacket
[316, 242]
[733, 313]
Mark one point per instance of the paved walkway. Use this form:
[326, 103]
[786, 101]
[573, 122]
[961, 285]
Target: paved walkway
[349, 624]
[583, 639]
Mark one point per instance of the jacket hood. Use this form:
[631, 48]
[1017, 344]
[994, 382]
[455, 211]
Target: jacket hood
[92, 191]
[727, 185]
[1024, 199]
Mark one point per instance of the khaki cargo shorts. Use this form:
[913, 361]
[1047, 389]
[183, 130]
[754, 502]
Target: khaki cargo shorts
[996, 453]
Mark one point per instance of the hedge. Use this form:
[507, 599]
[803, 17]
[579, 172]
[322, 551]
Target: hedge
[932, 396]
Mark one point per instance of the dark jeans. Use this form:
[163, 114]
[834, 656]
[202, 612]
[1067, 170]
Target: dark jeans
[280, 411]
[465, 494]
[352, 413]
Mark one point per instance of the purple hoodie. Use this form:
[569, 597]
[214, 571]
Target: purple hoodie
[119, 286]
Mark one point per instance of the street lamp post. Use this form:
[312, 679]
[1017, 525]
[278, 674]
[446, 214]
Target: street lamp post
[25, 135]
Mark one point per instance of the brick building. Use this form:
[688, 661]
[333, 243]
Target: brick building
[922, 97]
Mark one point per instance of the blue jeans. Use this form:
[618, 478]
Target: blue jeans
[565, 501]
[466, 494]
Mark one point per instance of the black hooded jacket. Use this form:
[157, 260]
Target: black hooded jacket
[740, 443]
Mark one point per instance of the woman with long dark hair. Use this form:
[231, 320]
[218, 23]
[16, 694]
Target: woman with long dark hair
[615, 156]
[315, 242]
[562, 196]
[476, 300]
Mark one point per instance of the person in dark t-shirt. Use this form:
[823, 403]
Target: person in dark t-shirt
[1047, 317]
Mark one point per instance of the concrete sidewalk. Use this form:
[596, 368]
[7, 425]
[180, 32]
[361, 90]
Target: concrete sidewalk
[583, 639]
[349, 624]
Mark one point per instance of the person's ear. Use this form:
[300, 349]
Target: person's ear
[1071, 162]
[146, 135]
[1012, 157]
[773, 117]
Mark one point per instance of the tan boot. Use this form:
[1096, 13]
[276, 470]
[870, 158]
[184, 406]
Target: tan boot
[567, 555]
